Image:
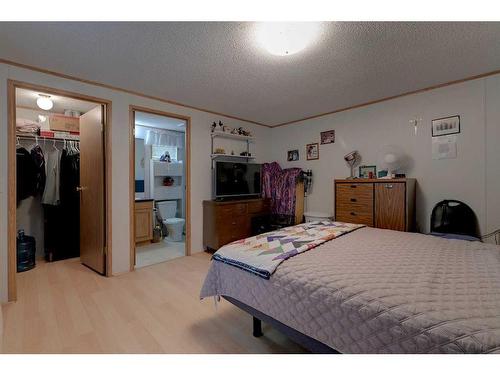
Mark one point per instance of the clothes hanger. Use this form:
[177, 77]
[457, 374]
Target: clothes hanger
[54, 145]
[18, 142]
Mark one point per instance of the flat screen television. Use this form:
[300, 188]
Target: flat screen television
[236, 179]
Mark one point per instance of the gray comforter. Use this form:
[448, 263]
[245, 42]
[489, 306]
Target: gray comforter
[380, 291]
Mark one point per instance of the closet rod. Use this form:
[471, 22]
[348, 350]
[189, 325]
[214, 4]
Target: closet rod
[57, 139]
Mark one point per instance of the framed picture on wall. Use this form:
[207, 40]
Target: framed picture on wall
[327, 137]
[446, 126]
[293, 155]
[312, 151]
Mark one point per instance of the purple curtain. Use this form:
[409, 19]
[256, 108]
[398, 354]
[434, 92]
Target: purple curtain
[279, 185]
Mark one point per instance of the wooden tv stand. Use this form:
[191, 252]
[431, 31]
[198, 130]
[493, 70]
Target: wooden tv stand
[228, 221]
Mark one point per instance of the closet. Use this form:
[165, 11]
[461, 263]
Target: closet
[48, 175]
[60, 200]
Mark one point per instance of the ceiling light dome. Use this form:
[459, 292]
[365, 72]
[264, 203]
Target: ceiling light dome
[286, 38]
[44, 102]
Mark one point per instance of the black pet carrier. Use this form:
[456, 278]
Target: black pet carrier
[454, 217]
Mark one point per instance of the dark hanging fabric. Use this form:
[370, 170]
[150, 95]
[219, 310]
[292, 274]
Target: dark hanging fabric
[40, 176]
[70, 202]
[279, 185]
[26, 174]
[62, 221]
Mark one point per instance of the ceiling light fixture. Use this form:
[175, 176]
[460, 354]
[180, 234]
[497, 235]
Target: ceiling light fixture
[44, 102]
[286, 38]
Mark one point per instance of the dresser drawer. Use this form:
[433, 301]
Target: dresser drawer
[355, 216]
[360, 193]
[231, 210]
[234, 224]
[257, 207]
[233, 228]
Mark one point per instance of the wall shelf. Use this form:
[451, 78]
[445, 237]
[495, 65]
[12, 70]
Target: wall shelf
[220, 134]
[219, 156]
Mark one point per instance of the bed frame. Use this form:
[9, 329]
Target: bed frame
[307, 342]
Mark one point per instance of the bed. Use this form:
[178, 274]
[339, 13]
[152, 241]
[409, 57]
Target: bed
[376, 291]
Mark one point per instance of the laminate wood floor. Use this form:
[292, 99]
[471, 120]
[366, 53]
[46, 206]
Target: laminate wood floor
[64, 307]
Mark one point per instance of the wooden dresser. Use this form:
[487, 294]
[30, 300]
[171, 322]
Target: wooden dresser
[225, 222]
[385, 204]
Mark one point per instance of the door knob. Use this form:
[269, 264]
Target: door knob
[80, 188]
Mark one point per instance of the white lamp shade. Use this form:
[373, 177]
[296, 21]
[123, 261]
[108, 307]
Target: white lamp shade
[390, 158]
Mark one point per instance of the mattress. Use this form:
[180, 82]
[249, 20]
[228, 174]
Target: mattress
[380, 291]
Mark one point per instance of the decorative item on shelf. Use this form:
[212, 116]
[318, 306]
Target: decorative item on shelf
[400, 175]
[391, 158]
[234, 131]
[166, 157]
[214, 126]
[367, 171]
[244, 132]
[168, 181]
[312, 151]
[351, 159]
[219, 151]
[327, 137]
[245, 153]
[232, 152]
[446, 126]
[293, 155]
[221, 126]
[381, 174]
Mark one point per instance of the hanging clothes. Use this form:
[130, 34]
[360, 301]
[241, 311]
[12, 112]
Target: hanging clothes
[279, 185]
[40, 174]
[70, 202]
[25, 174]
[51, 194]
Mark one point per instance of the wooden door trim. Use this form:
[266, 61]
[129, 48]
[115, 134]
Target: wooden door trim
[12, 85]
[132, 110]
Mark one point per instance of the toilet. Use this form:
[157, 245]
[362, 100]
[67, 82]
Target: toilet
[175, 225]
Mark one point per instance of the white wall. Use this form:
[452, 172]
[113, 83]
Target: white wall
[200, 160]
[473, 177]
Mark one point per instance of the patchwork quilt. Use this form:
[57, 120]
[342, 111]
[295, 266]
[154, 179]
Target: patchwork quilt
[262, 254]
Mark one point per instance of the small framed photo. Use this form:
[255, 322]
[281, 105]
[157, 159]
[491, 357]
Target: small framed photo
[367, 171]
[312, 151]
[327, 137]
[446, 126]
[293, 155]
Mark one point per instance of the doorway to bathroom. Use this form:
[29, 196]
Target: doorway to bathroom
[159, 167]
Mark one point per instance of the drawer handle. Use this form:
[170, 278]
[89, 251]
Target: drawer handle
[353, 186]
[388, 186]
[354, 200]
[353, 213]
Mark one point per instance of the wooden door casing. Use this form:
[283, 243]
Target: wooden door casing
[390, 206]
[92, 198]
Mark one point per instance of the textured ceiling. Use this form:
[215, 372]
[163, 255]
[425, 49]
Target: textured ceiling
[218, 66]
